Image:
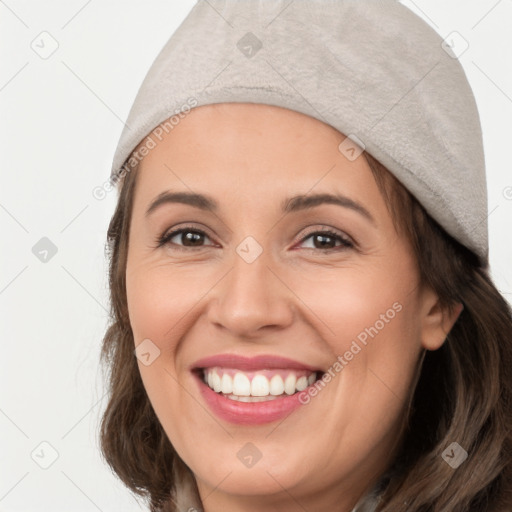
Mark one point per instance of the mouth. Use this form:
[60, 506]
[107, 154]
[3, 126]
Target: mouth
[256, 386]
[254, 390]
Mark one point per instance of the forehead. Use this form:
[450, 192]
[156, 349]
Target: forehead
[245, 129]
[251, 151]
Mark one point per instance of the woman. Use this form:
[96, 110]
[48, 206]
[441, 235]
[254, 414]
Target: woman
[302, 313]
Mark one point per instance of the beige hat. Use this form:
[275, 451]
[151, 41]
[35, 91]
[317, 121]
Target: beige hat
[372, 69]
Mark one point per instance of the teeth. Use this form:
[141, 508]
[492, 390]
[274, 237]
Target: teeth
[264, 384]
[254, 398]
[216, 382]
[276, 385]
[241, 385]
[259, 386]
[289, 384]
[226, 384]
[302, 383]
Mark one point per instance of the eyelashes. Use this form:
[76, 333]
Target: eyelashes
[167, 237]
[345, 242]
[198, 237]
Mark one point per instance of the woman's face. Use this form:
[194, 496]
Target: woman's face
[251, 296]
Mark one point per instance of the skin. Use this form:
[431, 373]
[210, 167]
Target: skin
[295, 300]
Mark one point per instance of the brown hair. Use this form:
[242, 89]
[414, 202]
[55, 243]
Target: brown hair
[463, 393]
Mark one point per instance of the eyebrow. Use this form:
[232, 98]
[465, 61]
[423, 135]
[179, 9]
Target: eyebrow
[197, 200]
[289, 205]
[303, 202]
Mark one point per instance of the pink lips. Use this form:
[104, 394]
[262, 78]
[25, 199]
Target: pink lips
[248, 413]
[260, 362]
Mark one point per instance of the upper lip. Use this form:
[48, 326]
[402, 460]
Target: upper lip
[258, 362]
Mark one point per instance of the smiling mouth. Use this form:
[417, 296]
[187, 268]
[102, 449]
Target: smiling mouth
[259, 385]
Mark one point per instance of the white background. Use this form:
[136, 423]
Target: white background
[61, 118]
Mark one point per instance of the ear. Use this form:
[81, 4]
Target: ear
[436, 321]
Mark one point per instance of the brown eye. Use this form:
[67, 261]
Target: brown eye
[191, 238]
[184, 237]
[327, 240]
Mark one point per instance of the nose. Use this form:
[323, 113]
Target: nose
[251, 300]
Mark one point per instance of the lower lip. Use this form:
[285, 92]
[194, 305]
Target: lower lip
[248, 413]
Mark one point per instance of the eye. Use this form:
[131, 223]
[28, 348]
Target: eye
[186, 237]
[326, 240]
[191, 237]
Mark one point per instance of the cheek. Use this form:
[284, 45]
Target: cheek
[158, 303]
[352, 304]
[370, 319]
[161, 304]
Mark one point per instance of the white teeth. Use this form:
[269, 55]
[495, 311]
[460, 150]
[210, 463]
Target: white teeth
[302, 383]
[241, 388]
[289, 384]
[255, 398]
[226, 384]
[276, 385]
[259, 386]
[216, 382]
[241, 385]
